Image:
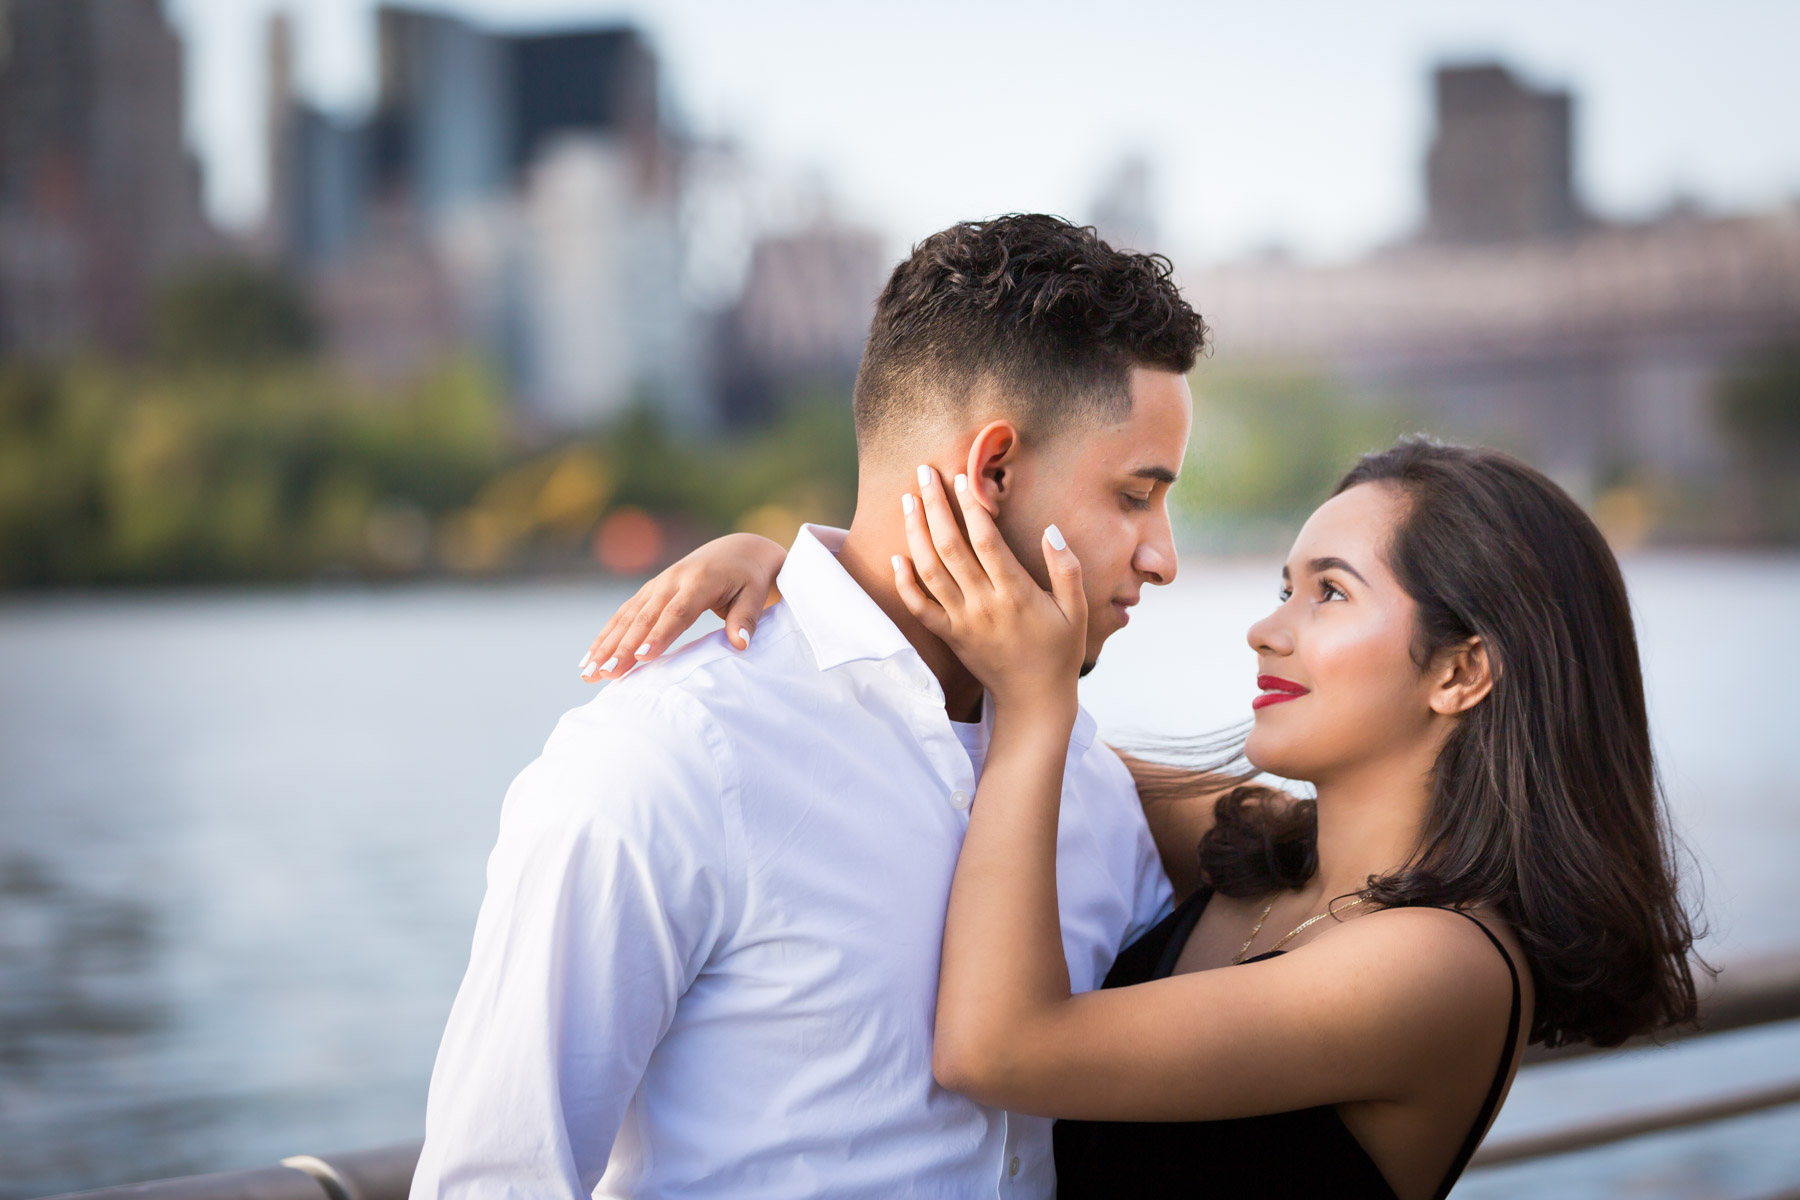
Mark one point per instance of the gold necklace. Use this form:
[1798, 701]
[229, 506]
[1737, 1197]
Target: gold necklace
[1290, 934]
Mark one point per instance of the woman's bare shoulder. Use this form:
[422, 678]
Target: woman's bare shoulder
[1430, 968]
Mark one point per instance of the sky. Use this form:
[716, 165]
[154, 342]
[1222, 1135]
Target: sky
[1298, 124]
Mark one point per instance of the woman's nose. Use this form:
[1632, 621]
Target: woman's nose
[1271, 635]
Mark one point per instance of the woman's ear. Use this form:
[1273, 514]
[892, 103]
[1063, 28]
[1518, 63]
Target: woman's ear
[1465, 676]
[991, 459]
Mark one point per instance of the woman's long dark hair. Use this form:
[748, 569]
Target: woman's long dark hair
[1545, 803]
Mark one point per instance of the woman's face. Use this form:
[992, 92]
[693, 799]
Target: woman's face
[1338, 689]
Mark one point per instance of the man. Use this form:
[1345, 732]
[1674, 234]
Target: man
[707, 960]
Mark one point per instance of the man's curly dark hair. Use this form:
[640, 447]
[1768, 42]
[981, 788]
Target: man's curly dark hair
[1030, 312]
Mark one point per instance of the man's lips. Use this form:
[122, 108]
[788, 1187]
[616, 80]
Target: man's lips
[1123, 608]
[1275, 689]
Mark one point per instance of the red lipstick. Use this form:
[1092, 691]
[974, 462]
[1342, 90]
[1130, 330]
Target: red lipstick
[1275, 689]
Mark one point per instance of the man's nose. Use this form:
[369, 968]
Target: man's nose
[1155, 558]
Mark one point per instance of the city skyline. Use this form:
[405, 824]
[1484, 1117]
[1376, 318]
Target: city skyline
[531, 194]
[1663, 110]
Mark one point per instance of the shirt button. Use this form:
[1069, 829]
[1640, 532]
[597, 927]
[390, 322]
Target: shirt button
[960, 798]
[1012, 1168]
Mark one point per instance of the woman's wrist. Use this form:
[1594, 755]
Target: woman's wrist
[1048, 716]
[756, 547]
[769, 550]
[1036, 695]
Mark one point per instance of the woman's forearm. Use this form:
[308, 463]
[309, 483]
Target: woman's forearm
[1003, 956]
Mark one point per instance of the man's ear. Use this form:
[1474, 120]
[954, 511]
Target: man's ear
[992, 457]
[1465, 676]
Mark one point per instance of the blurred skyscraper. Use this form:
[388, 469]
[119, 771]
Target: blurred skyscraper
[521, 191]
[1500, 167]
[99, 195]
[802, 318]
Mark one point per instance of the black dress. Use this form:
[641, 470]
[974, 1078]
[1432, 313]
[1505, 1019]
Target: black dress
[1305, 1153]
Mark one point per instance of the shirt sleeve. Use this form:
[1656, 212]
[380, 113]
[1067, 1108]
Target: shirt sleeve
[607, 891]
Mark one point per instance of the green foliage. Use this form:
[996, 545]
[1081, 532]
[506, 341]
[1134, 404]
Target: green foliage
[1267, 448]
[210, 473]
[549, 507]
[109, 475]
[1758, 408]
[231, 313]
[807, 461]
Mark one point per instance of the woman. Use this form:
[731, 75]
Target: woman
[1339, 1001]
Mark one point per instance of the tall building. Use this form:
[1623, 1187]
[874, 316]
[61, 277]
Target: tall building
[522, 187]
[802, 318]
[99, 194]
[1500, 166]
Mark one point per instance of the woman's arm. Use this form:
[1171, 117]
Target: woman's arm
[1384, 1008]
[732, 576]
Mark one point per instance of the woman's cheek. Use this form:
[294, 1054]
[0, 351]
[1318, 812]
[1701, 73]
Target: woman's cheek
[1366, 678]
[1359, 658]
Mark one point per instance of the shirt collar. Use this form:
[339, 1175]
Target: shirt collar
[836, 615]
[844, 625]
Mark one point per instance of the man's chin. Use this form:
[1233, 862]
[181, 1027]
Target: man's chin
[1094, 649]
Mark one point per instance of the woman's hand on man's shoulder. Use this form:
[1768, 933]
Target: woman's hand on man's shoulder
[732, 576]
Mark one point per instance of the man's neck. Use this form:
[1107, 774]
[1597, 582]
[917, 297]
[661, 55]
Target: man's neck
[867, 554]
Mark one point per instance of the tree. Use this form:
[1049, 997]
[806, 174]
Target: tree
[1759, 413]
[231, 313]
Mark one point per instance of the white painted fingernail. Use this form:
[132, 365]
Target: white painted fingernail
[643, 649]
[962, 484]
[924, 476]
[1056, 537]
[899, 564]
[589, 671]
[745, 634]
[906, 504]
[585, 660]
[610, 663]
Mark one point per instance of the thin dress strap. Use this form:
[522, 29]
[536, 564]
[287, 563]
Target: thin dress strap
[1506, 1056]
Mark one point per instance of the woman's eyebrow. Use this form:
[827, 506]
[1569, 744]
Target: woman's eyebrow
[1331, 563]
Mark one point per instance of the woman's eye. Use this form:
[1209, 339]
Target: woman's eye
[1331, 591]
[1285, 594]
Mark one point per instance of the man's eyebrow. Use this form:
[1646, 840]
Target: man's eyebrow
[1331, 562]
[1160, 474]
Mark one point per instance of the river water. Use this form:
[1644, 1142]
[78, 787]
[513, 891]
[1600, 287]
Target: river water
[242, 838]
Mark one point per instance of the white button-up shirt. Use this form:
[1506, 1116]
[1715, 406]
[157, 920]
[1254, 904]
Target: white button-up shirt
[707, 960]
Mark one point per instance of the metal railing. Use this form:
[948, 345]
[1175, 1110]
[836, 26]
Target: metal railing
[382, 1174]
[1754, 992]
[1750, 992]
